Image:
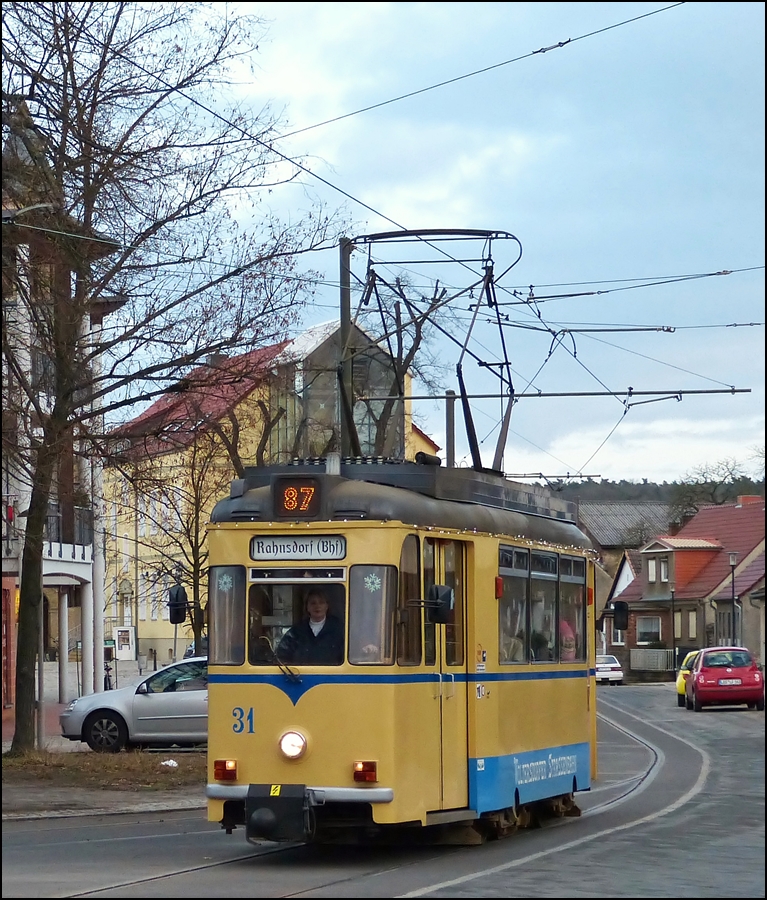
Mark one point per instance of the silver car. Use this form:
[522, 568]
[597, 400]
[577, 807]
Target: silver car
[167, 707]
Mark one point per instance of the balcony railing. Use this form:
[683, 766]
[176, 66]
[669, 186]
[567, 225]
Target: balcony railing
[83, 525]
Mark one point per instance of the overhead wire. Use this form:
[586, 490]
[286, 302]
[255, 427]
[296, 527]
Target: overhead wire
[351, 197]
[558, 46]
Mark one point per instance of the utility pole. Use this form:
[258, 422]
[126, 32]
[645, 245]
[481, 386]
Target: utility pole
[345, 363]
[673, 632]
[737, 628]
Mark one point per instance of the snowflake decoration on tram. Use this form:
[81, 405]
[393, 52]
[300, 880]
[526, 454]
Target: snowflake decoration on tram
[372, 583]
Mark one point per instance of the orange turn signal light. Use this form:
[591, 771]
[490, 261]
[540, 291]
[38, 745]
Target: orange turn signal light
[365, 770]
[225, 769]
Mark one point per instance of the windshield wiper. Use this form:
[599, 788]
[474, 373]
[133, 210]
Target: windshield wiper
[289, 673]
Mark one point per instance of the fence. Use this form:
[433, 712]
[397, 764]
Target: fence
[645, 660]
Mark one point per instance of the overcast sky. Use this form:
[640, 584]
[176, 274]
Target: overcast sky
[632, 154]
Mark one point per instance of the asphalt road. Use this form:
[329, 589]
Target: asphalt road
[677, 811]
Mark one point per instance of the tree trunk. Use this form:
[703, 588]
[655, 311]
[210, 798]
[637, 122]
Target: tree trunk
[30, 598]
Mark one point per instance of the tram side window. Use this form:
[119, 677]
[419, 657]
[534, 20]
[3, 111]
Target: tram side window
[513, 607]
[543, 609]
[226, 610]
[572, 610]
[429, 628]
[453, 552]
[443, 563]
[372, 601]
[409, 613]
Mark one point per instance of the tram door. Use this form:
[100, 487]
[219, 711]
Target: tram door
[445, 649]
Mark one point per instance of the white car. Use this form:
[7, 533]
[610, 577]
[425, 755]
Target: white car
[165, 708]
[609, 670]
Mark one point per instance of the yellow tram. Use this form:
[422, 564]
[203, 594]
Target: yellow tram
[461, 689]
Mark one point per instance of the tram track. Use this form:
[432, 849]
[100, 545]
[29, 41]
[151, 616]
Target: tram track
[631, 727]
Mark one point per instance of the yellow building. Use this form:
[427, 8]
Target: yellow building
[171, 464]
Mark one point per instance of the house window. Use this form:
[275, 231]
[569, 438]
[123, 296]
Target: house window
[155, 505]
[648, 629]
[142, 592]
[141, 504]
[617, 635]
[677, 624]
[692, 624]
[664, 569]
[43, 371]
[164, 610]
[651, 576]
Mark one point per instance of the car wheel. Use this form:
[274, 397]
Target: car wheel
[760, 704]
[687, 702]
[105, 732]
[680, 700]
[696, 704]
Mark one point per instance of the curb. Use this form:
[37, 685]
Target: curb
[160, 806]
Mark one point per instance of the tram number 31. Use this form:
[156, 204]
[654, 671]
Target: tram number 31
[243, 720]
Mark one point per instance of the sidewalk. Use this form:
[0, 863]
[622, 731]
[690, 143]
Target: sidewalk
[124, 673]
[33, 801]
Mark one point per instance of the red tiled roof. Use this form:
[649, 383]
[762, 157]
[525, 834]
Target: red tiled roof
[633, 590]
[737, 527]
[745, 580]
[207, 394]
[425, 436]
[686, 543]
[733, 527]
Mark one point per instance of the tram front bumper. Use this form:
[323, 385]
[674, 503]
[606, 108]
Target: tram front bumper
[276, 812]
[283, 812]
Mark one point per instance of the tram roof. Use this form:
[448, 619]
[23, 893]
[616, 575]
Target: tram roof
[425, 495]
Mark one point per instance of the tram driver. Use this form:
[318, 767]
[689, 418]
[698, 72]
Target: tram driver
[318, 640]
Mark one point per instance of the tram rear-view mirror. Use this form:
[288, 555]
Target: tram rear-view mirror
[440, 602]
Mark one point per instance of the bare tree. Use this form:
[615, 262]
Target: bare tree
[706, 484]
[757, 457]
[141, 241]
[178, 458]
[402, 319]
[174, 494]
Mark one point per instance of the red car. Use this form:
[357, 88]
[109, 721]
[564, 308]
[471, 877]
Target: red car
[723, 676]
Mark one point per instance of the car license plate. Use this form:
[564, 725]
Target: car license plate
[729, 681]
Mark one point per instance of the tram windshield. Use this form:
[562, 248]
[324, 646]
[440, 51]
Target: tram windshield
[296, 623]
[289, 617]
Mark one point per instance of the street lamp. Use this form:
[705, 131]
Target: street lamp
[673, 632]
[735, 621]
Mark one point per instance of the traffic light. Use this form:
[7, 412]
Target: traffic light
[620, 615]
[177, 604]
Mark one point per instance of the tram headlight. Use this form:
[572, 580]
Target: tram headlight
[293, 744]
